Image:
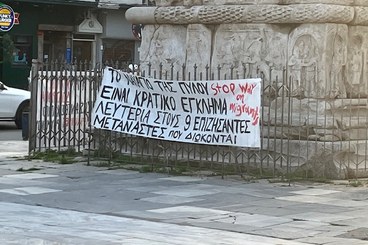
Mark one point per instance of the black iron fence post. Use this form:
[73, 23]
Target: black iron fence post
[33, 80]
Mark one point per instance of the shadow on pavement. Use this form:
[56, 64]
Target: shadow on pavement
[8, 126]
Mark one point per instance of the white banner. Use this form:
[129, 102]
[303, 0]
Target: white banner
[224, 112]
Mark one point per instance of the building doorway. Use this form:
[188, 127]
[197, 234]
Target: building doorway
[84, 47]
[54, 45]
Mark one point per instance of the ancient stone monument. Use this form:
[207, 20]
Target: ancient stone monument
[316, 48]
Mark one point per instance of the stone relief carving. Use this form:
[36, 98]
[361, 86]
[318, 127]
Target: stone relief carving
[178, 2]
[239, 2]
[236, 45]
[198, 47]
[356, 72]
[210, 2]
[337, 88]
[271, 11]
[361, 16]
[297, 13]
[336, 53]
[164, 45]
[319, 71]
[169, 2]
[356, 61]
[360, 3]
[333, 2]
[256, 48]
[303, 65]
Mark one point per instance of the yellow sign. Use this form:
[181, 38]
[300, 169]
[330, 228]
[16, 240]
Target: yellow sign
[7, 17]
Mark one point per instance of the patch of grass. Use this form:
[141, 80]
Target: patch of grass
[355, 183]
[101, 164]
[290, 178]
[179, 170]
[45, 155]
[62, 157]
[146, 169]
[65, 160]
[122, 159]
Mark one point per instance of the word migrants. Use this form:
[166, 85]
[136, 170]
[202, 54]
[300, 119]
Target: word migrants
[203, 112]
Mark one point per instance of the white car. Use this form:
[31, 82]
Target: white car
[13, 102]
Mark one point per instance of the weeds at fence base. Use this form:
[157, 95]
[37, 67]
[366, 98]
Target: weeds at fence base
[357, 183]
[62, 157]
[175, 167]
[249, 173]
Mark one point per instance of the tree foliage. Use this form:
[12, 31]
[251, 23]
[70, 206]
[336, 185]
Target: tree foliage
[6, 48]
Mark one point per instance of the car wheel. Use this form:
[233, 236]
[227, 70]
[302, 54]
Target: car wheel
[24, 107]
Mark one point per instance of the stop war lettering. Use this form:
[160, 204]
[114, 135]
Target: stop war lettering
[247, 88]
[231, 88]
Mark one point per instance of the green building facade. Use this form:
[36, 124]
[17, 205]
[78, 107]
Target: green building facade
[63, 30]
[36, 19]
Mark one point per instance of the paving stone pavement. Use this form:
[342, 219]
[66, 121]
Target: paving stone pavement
[79, 204]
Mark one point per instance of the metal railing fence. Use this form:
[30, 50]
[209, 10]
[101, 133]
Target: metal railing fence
[302, 133]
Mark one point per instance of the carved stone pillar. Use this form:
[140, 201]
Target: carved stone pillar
[306, 38]
[316, 49]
